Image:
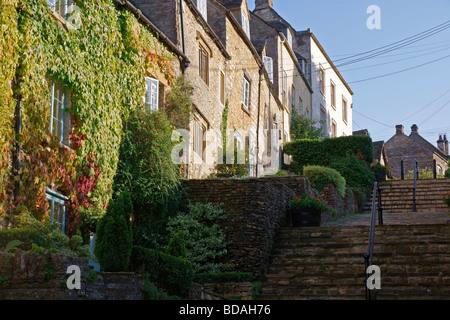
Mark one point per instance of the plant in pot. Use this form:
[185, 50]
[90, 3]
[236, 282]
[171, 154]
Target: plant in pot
[380, 171]
[306, 211]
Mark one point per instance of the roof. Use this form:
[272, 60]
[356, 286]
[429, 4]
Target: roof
[426, 144]
[378, 149]
[363, 132]
[230, 3]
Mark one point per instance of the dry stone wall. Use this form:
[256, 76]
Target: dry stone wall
[30, 276]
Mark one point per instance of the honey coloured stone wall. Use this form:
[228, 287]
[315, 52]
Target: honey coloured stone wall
[256, 209]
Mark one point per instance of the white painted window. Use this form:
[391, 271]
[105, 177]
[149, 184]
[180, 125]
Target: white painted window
[57, 207]
[245, 23]
[151, 98]
[60, 6]
[344, 110]
[333, 94]
[333, 129]
[289, 37]
[322, 79]
[268, 64]
[202, 7]
[246, 93]
[57, 108]
[199, 138]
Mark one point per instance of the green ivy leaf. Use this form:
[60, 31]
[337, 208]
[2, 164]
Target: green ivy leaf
[13, 244]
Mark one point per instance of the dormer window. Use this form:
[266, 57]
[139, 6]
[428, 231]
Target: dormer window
[268, 64]
[201, 6]
[245, 23]
[289, 37]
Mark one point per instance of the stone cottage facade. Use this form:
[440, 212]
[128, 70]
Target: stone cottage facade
[228, 77]
[415, 147]
[331, 101]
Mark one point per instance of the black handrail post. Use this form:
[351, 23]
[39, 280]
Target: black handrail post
[416, 176]
[402, 169]
[434, 169]
[380, 208]
[417, 168]
[366, 264]
[368, 257]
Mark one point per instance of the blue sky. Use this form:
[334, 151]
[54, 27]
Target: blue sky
[419, 96]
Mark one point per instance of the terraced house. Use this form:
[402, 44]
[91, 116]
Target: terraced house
[231, 86]
[81, 67]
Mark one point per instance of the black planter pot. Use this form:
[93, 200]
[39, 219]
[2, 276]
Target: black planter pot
[380, 175]
[301, 218]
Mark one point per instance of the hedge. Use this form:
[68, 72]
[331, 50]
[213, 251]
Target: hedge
[27, 236]
[357, 173]
[322, 176]
[172, 273]
[322, 152]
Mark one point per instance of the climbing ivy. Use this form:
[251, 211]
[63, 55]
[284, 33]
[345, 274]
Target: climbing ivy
[103, 64]
[8, 61]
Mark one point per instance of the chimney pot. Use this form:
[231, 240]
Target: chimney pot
[399, 129]
[415, 128]
[263, 4]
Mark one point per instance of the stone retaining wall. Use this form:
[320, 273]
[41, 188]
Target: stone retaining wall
[30, 276]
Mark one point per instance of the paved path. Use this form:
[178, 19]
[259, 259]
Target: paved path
[363, 219]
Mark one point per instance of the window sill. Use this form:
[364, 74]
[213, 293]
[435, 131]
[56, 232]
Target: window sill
[247, 111]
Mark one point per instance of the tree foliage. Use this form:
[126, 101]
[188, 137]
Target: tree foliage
[304, 128]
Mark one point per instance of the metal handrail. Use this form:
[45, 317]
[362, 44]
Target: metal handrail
[416, 177]
[368, 257]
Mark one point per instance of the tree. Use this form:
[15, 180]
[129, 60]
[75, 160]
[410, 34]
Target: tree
[304, 128]
[114, 235]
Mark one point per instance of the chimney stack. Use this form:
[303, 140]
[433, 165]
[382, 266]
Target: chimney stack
[415, 129]
[263, 4]
[441, 144]
[445, 144]
[399, 129]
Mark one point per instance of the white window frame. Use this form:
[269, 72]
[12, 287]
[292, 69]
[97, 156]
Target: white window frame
[151, 97]
[202, 7]
[246, 93]
[61, 7]
[334, 129]
[57, 208]
[199, 135]
[333, 94]
[268, 64]
[300, 105]
[57, 108]
[344, 110]
[293, 96]
[245, 23]
[322, 79]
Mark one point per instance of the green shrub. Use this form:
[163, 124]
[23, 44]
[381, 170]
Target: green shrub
[357, 173]
[205, 239]
[146, 169]
[231, 276]
[321, 176]
[172, 273]
[177, 245]
[114, 235]
[321, 152]
[424, 173]
[447, 173]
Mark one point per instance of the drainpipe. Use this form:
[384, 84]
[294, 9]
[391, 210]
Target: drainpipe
[182, 26]
[258, 174]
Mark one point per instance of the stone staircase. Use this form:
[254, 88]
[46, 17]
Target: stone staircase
[327, 263]
[397, 196]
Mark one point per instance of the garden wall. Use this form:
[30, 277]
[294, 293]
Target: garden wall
[256, 209]
[30, 276]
